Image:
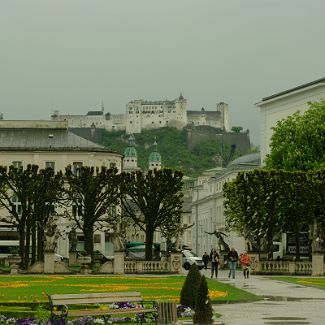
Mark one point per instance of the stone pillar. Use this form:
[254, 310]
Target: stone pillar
[139, 266]
[73, 258]
[49, 262]
[317, 265]
[176, 262]
[256, 266]
[14, 269]
[119, 262]
[167, 312]
[292, 267]
[84, 269]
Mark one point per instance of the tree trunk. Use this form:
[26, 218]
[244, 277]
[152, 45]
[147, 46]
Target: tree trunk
[27, 246]
[21, 230]
[89, 240]
[149, 243]
[269, 244]
[40, 244]
[297, 233]
[34, 239]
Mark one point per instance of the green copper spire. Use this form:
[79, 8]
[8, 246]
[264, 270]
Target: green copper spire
[130, 151]
[155, 156]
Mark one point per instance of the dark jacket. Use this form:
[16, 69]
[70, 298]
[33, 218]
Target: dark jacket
[214, 257]
[205, 258]
[233, 256]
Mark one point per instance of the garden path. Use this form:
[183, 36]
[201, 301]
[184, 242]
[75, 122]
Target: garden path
[283, 303]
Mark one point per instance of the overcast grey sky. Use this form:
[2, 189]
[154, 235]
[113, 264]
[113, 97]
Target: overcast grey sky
[70, 55]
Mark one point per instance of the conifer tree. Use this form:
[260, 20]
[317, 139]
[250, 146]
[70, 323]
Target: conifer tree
[190, 287]
[203, 308]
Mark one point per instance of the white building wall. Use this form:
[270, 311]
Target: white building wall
[116, 122]
[62, 160]
[152, 115]
[141, 114]
[208, 212]
[281, 107]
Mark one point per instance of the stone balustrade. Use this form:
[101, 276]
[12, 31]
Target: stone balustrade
[285, 267]
[146, 266]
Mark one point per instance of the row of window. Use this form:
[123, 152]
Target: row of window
[76, 165]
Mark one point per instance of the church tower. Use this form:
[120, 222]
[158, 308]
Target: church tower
[130, 160]
[155, 158]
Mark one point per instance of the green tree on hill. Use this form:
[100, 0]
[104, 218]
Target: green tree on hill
[172, 145]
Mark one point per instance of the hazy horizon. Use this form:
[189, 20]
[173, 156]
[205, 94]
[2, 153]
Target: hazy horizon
[73, 55]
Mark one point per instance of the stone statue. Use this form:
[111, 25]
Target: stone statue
[118, 237]
[51, 236]
[72, 241]
[117, 242]
[223, 246]
[180, 235]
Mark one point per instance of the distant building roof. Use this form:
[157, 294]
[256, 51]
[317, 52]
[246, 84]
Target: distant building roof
[20, 139]
[250, 160]
[95, 113]
[318, 81]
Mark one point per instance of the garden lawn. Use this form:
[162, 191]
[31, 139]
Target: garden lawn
[34, 288]
[306, 281]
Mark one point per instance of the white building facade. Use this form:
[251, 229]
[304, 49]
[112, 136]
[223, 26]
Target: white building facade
[143, 114]
[208, 207]
[51, 144]
[281, 105]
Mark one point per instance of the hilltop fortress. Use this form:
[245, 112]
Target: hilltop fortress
[143, 114]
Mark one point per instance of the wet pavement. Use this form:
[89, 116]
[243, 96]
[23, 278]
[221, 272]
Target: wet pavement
[282, 304]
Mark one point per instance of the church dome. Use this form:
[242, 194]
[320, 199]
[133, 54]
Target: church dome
[155, 155]
[130, 151]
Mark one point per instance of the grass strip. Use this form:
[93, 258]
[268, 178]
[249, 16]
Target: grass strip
[20, 289]
[318, 282]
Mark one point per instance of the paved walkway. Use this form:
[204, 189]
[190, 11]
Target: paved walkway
[283, 303]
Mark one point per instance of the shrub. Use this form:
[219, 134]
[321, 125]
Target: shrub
[203, 308]
[190, 287]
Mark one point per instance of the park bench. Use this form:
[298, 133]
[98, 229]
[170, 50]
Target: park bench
[60, 312]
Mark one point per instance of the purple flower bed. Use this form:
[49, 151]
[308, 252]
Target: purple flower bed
[182, 311]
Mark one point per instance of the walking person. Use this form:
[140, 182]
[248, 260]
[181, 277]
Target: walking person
[205, 259]
[232, 262]
[246, 262]
[214, 257]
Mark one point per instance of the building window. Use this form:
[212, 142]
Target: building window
[97, 239]
[50, 164]
[17, 164]
[77, 210]
[111, 211]
[76, 168]
[112, 165]
[17, 205]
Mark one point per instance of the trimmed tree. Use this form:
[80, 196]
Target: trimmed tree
[203, 308]
[153, 201]
[252, 206]
[190, 287]
[92, 193]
